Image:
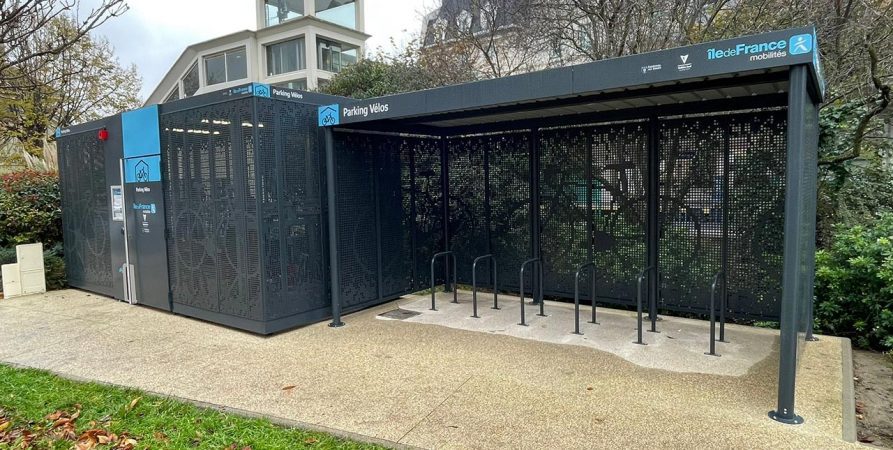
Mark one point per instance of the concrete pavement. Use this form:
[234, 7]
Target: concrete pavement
[413, 383]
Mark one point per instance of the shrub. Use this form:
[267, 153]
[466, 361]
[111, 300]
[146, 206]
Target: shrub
[54, 267]
[30, 209]
[854, 284]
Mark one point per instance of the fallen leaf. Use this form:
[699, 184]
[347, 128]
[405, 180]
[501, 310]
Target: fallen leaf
[289, 387]
[133, 403]
[54, 416]
[589, 388]
[5, 425]
[311, 440]
[159, 436]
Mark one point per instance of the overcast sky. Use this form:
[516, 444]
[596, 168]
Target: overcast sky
[153, 33]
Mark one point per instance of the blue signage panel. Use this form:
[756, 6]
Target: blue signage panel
[328, 115]
[140, 132]
[142, 169]
[261, 90]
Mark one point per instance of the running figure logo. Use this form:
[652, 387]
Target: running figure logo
[800, 44]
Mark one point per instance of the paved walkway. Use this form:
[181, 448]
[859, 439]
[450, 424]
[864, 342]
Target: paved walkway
[417, 384]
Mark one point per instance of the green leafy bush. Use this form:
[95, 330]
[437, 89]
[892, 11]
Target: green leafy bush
[854, 284]
[54, 267]
[30, 209]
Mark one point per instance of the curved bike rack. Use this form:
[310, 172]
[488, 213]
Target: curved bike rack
[539, 264]
[712, 310]
[639, 303]
[433, 260]
[590, 265]
[474, 284]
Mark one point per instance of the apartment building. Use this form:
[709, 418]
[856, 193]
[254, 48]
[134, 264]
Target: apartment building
[298, 44]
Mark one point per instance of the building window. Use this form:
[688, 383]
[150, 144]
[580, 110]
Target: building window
[335, 56]
[284, 57]
[299, 84]
[278, 11]
[190, 81]
[341, 12]
[174, 95]
[227, 66]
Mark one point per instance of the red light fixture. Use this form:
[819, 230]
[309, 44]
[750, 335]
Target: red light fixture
[103, 135]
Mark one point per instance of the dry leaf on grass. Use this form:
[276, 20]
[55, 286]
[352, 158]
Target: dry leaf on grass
[133, 403]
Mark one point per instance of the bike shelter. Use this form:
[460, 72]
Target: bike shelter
[680, 181]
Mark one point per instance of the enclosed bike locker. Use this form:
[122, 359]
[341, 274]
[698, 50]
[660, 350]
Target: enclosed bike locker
[220, 207]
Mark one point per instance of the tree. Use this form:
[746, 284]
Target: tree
[382, 74]
[495, 38]
[83, 82]
[28, 41]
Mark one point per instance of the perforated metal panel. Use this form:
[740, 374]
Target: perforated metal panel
[85, 212]
[289, 168]
[389, 215]
[692, 171]
[564, 201]
[208, 160]
[757, 165]
[468, 214]
[619, 177]
[509, 179]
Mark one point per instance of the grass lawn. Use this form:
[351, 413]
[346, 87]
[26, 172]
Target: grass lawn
[41, 410]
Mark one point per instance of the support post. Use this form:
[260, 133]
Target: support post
[537, 286]
[445, 189]
[334, 274]
[792, 283]
[724, 290]
[376, 165]
[412, 214]
[653, 195]
[590, 225]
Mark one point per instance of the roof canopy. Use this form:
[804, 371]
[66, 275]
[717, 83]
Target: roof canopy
[739, 68]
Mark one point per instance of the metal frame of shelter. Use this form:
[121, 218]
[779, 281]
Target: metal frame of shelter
[684, 176]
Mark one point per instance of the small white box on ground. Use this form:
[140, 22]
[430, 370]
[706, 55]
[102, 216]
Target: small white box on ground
[31, 270]
[12, 282]
[29, 257]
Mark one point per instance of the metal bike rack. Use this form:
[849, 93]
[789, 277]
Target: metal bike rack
[723, 305]
[712, 310]
[433, 260]
[538, 286]
[639, 303]
[590, 265]
[474, 284]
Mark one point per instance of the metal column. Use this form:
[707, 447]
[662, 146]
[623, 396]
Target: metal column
[653, 232]
[445, 188]
[535, 228]
[334, 274]
[791, 283]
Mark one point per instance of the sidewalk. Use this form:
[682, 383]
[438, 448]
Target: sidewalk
[417, 384]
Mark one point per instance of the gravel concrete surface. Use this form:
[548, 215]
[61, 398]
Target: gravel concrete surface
[411, 383]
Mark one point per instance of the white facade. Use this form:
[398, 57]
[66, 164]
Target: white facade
[298, 43]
